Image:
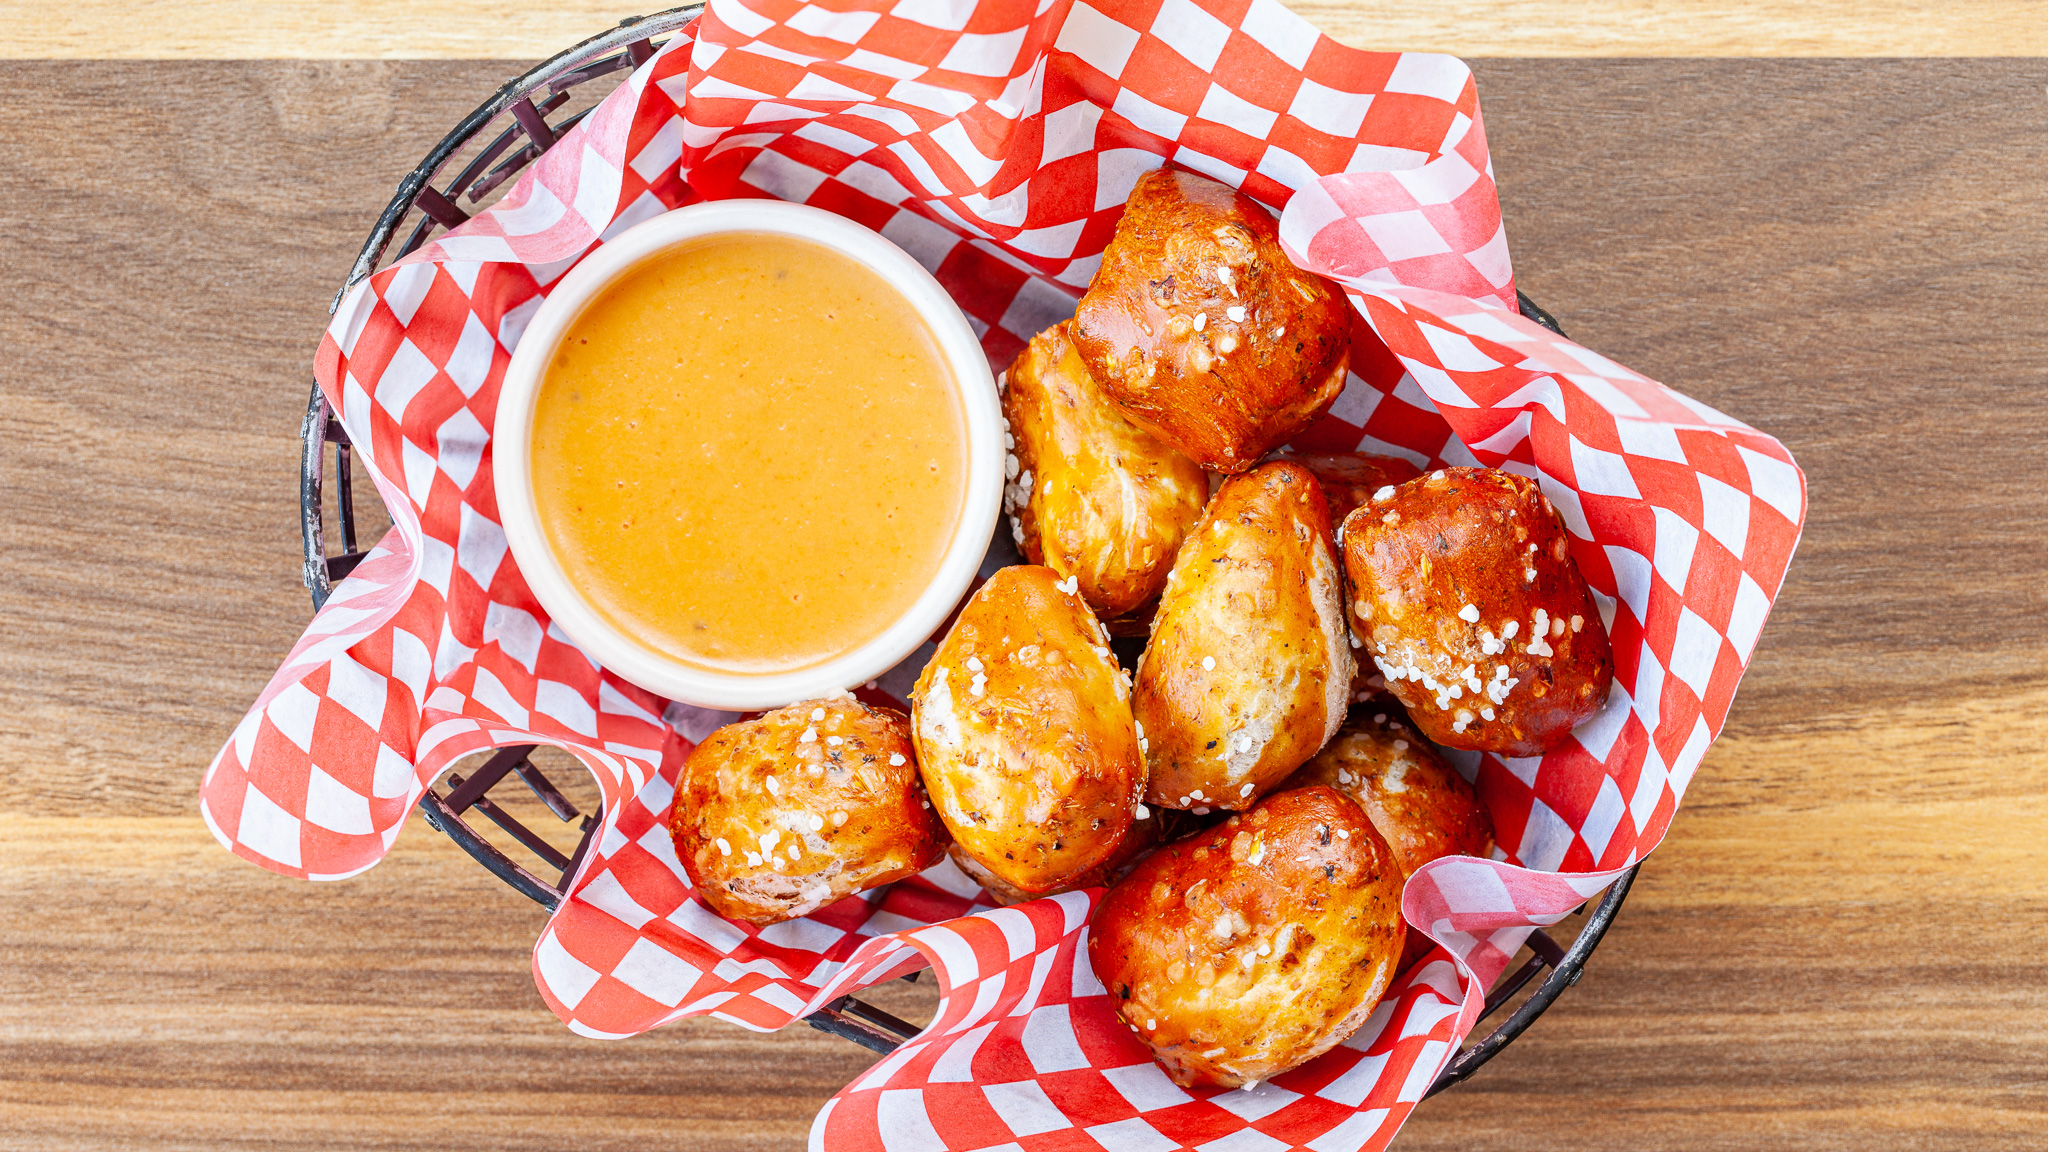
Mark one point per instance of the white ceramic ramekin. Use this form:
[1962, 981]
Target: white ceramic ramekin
[640, 663]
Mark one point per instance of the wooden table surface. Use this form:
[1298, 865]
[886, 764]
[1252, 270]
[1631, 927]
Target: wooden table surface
[1839, 946]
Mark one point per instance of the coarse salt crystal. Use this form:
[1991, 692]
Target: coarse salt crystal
[895, 759]
[1469, 614]
[1236, 313]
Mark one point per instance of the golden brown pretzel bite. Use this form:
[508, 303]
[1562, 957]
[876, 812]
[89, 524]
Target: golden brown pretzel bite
[1249, 666]
[781, 815]
[1465, 595]
[1350, 478]
[1093, 496]
[1203, 330]
[1024, 732]
[1416, 800]
[1256, 946]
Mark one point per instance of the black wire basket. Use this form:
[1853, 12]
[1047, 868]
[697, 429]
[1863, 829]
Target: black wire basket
[484, 165]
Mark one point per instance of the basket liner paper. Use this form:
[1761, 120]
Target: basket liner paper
[996, 142]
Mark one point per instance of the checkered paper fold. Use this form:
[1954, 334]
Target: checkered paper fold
[996, 143]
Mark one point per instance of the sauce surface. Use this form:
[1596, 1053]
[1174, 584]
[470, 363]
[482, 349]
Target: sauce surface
[748, 454]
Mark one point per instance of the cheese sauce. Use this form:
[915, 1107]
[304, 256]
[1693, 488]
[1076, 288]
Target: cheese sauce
[748, 454]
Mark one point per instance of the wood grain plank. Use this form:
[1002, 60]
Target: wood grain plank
[1839, 945]
[162, 994]
[474, 29]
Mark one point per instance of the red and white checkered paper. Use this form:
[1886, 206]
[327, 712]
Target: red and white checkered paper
[996, 142]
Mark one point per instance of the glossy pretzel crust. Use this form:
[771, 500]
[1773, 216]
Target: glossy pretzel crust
[1091, 494]
[1466, 597]
[779, 816]
[1416, 800]
[1254, 947]
[1350, 478]
[1249, 666]
[1024, 733]
[1203, 330]
[1152, 828]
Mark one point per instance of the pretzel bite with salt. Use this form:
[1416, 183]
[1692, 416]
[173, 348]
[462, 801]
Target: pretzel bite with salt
[1415, 799]
[1350, 478]
[1204, 331]
[1092, 495]
[1466, 597]
[1256, 946]
[1249, 666]
[1024, 733]
[781, 815]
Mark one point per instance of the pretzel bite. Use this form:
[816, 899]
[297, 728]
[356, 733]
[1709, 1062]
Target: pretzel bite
[1416, 800]
[1093, 496]
[1256, 946]
[1465, 595]
[1024, 733]
[781, 815]
[1204, 331]
[1350, 478]
[1249, 666]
